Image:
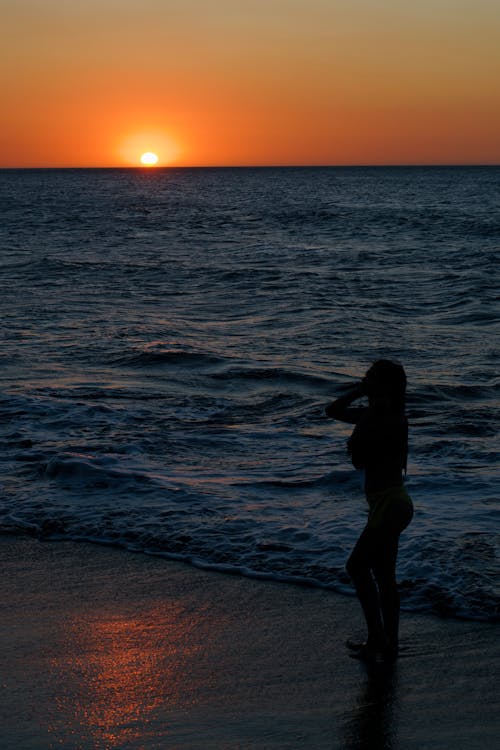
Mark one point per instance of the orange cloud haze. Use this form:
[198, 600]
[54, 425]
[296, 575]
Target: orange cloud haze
[218, 82]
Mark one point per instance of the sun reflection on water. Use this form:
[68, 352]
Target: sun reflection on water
[124, 668]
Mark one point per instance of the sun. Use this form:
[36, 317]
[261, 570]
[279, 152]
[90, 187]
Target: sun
[149, 159]
[147, 148]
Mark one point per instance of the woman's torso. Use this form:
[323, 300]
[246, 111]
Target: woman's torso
[379, 445]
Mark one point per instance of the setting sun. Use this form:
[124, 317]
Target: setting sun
[162, 148]
[149, 159]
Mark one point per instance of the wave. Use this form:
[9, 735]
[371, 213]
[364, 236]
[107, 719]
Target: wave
[339, 479]
[460, 393]
[92, 471]
[158, 356]
[275, 375]
[426, 584]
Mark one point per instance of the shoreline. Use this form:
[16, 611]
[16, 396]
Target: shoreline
[105, 648]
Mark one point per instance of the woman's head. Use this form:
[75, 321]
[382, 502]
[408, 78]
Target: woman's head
[386, 379]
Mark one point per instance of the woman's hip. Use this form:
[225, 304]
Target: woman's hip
[390, 510]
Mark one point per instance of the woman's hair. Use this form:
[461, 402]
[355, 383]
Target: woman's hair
[390, 380]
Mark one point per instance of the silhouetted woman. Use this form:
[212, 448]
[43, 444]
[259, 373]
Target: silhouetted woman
[379, 445]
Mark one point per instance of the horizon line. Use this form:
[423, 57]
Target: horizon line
[143, 168]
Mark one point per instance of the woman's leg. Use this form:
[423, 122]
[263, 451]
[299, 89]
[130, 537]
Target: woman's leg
[384, 569]
[384, 558]
[359, 567]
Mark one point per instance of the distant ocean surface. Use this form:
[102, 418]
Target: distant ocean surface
[171, 337]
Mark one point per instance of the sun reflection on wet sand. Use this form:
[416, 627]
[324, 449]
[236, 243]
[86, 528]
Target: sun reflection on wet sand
[124, 668]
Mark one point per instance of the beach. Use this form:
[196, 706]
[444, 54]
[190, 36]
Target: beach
[103, 648]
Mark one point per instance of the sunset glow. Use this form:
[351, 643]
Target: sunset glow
[197, 83]
[149, 159]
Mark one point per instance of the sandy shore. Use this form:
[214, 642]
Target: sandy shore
[102, 648]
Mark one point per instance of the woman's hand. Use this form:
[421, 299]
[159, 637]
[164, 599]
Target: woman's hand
[361, 388]
[339, 409]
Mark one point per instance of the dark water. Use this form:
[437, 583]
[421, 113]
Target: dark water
[170, 339]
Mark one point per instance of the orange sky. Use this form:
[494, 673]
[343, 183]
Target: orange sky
[249, 82]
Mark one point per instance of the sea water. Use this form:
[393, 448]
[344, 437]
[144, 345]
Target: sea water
[171, 337]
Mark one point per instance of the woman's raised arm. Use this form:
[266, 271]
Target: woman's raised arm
[341, 408]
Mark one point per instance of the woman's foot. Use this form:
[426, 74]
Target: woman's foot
[373, 652]
[370, 654]
[355, 645]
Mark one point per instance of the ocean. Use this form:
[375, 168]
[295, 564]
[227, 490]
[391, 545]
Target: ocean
[171, 337]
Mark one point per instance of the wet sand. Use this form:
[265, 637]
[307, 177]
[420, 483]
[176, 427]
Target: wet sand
[102, 648]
